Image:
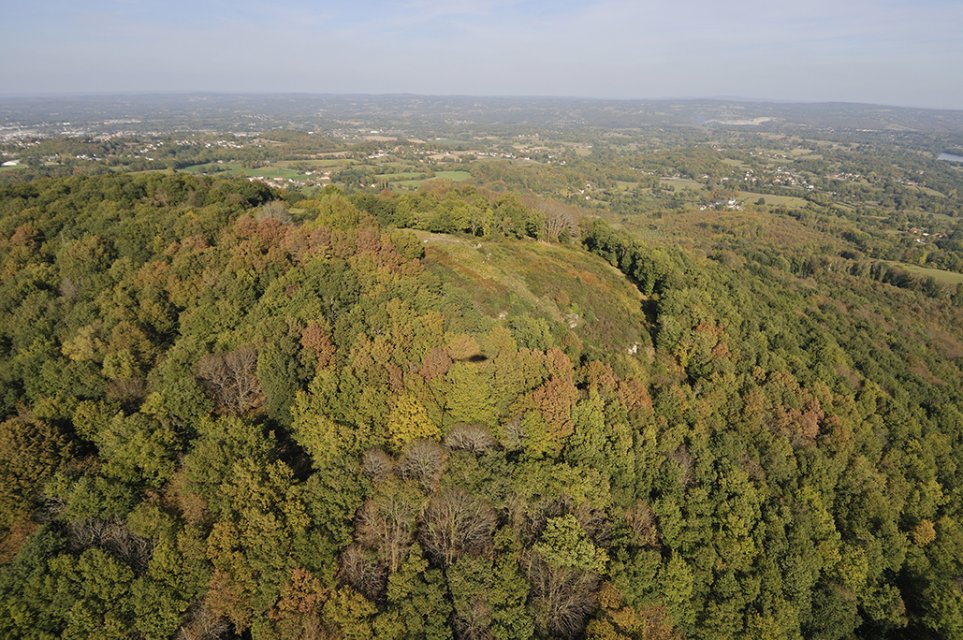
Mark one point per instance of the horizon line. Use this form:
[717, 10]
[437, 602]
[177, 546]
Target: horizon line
[252, 93]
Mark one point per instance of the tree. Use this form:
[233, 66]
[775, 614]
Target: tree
[417, 594]
[138, 448]
[409, 421]
[31, 451]
[297, 615]
[677, 590]
[386, 522]
[558, 224]
[564, 568]
[349, 615]
[98, 587]
[316, 341]
[423, 462]
[470, 437]
[489, 594]
[280, 375]
[360, 568]
[469, 398]
[456, 523]
[231, 380]
[260, 519]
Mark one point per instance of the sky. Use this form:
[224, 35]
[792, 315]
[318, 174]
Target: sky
[901, 53]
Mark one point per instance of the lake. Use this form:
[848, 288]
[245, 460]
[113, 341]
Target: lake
[951, 157]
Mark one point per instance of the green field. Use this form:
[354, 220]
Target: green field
[930, 192]
[787, 201]
[402, 176]
[801, 153]
[454, 176]
[950, 278]
[236, 169]
[413, 180]
[317, 164]
[212, 167]
[677, 184]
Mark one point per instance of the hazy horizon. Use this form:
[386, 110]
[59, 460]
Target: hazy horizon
[749, 100]
[869, 52]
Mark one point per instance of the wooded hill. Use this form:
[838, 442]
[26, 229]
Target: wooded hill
[231, 412]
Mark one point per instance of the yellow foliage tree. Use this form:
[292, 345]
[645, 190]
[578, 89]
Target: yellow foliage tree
[409, 421]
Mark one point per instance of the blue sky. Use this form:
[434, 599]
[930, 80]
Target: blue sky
[904, 53]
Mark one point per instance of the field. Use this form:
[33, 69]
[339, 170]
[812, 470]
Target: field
[237, 169]
[786, 201]
[677, 184]
[413, 180]
[801, 153]
[399, 177]
[950, 278]
[287, 169]
[748, 197]
[313, 165]
[454, 176]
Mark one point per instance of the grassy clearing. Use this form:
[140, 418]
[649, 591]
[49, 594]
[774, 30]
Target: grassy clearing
[225, 168]
[398, 177]
[454, 176]
[273, 172]
[450, 142]
[414, 180]
[786, 201]
[931, 192]
[946, 278]
[509, 279]
[317, 164]
[747, 227]
[677, 184]
[236, 169]
[140, 171]
[802, 153]
[211, 166]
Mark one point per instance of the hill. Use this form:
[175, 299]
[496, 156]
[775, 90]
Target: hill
[517, 280]
[232, 412]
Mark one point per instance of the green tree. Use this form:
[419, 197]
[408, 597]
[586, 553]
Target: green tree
[417, 593]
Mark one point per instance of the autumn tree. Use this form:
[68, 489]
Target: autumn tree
[231, 380]
[563, 568]
[409, 421]
[455, 523]
[558, 222]
[386, 522]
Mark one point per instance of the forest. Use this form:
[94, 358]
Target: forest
[234, 411]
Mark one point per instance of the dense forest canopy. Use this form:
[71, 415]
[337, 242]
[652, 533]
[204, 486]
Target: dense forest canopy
[230, 411]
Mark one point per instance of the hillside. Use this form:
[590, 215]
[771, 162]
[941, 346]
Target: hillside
[517, 280]
[231, 412]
